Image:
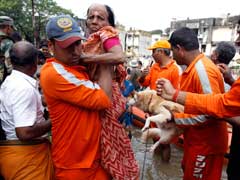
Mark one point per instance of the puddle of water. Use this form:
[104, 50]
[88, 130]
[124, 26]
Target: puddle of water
[154, 168]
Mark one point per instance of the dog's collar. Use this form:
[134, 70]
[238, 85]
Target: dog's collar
[150, 100]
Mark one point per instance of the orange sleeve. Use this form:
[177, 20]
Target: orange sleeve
[220, 105]
[175, 78]
[73, 87]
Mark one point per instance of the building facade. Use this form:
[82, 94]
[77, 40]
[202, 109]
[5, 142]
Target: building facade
[210, 31]
[137, 42]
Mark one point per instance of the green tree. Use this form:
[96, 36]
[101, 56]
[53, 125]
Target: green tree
[21, 12]
[157, 31]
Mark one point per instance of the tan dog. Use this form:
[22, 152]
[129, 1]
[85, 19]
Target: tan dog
[149, 101]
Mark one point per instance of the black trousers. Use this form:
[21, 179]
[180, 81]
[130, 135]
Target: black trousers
[233, 168]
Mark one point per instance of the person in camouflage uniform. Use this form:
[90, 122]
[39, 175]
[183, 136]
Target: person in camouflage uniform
[6, 28]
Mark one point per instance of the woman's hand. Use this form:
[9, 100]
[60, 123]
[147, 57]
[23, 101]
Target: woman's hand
[87, 59]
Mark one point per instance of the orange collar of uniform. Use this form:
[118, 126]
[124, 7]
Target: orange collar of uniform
[167, 66]
[193, 63]
[50, 59]
[78, 67]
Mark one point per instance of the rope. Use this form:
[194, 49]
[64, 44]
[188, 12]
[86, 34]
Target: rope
[145, 153]
[144, 160]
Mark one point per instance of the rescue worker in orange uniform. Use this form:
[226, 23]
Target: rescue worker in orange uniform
[166, 67]
[203, 152]
[218, 105]
[74, 103]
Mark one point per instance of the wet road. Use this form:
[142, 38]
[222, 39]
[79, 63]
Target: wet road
[154, 168]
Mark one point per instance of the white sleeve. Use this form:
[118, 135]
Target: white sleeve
[25, 107]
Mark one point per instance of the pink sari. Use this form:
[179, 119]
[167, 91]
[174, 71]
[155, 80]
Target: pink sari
[117, 156]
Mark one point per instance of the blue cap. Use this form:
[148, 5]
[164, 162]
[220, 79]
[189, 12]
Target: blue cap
[64, 29]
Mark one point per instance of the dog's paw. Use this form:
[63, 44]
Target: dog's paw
[147, 124]
[131, 102]
[144, 128]
[152, 149]
[144, 136]
[154, 146]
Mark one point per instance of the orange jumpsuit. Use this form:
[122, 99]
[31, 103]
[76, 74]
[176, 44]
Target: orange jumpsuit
[221, 105]
[203, 152]
[171, 72]
[74, 103]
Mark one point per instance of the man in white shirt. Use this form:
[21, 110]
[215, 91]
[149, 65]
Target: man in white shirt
[25, 153]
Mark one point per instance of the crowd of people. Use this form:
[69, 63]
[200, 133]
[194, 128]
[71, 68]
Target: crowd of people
[60, 104]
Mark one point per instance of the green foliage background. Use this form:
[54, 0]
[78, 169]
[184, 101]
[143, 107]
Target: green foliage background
[21, 12]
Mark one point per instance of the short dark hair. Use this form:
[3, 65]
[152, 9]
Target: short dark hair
[111, 17]
[225, 52]
[23, 53]
[184, 37]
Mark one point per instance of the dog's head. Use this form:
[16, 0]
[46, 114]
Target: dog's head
[141, 99]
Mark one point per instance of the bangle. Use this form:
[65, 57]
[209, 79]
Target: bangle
[175, 95]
